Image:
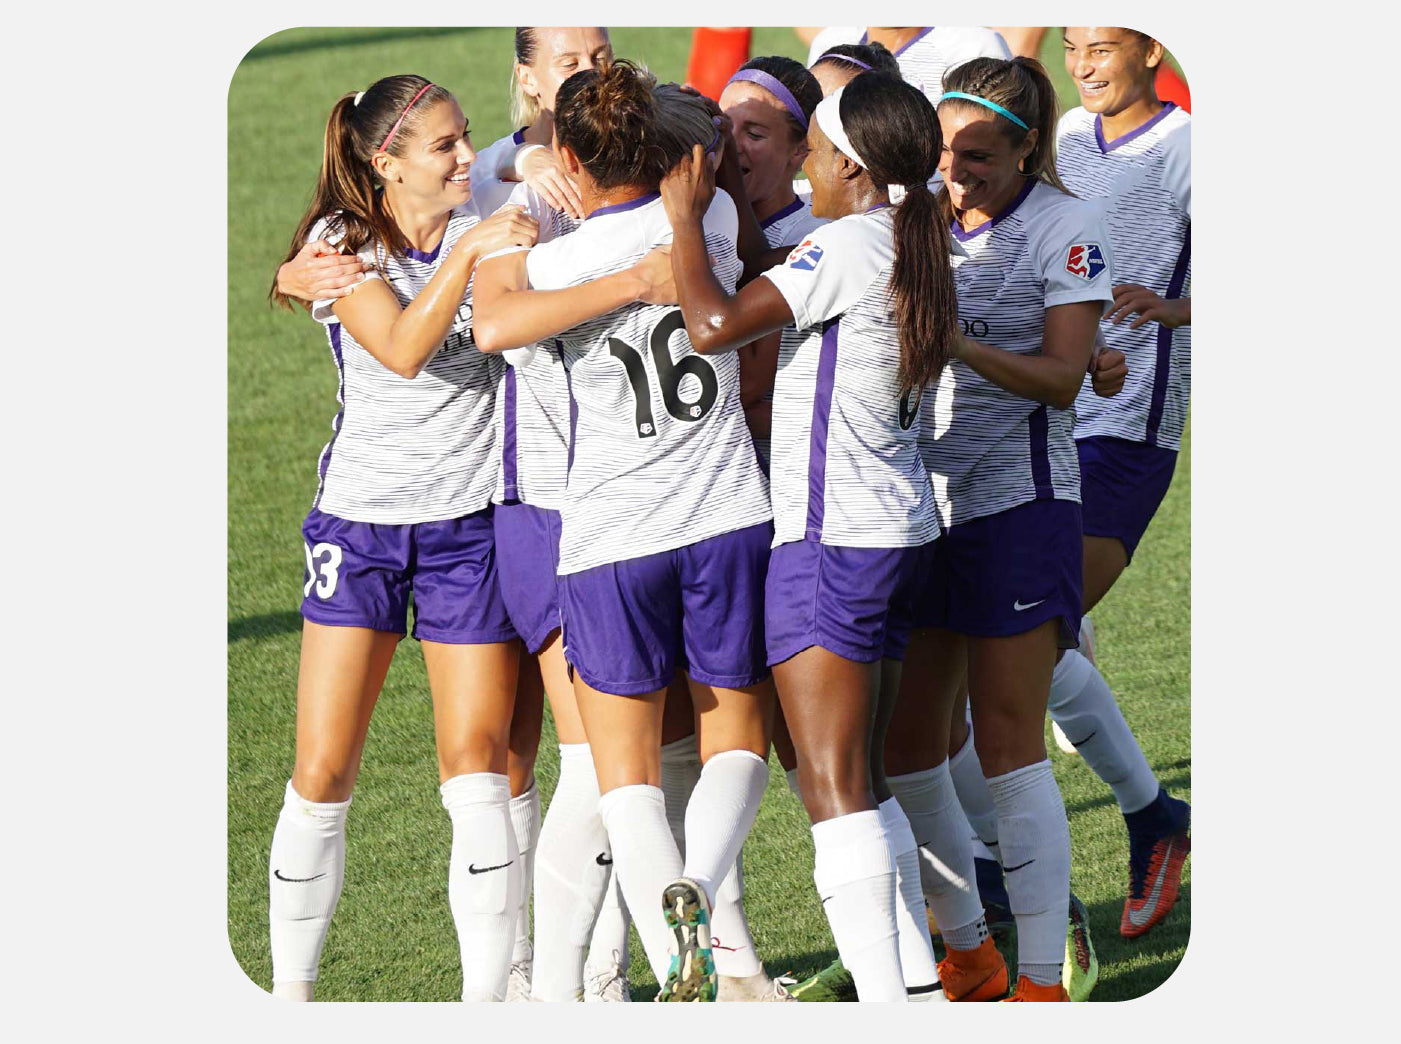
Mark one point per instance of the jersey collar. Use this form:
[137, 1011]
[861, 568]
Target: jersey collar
[1106, 146]
[963, 237]
[632, 204]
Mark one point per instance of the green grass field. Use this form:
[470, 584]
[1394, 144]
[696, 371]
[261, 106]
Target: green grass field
[393, 938]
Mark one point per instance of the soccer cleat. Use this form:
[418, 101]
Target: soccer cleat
[1081, 969]
[692, 974]
[1029, 991]
[609, 984]
[518, 985]
[974, 975]
[757, 987]
[1158, 847]
[832, 983]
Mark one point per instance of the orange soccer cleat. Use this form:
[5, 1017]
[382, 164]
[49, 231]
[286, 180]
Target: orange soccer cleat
[1029, 991]
[1152, 896]
[974, 975]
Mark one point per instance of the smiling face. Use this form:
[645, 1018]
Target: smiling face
[559, 54]
[1113, 68]
[823, 167]
[979, 161]
[434, 159]
[768, 151]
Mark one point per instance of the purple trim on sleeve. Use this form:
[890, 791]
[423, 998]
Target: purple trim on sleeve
[1163, 359]
[1038, 425]
[821, 416]
[1105, 146]
[917, 38]
[791, 208]
[324, 464]
[508, 441]
[963, 236]
[632, 204]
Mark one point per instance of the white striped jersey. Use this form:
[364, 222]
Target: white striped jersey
[989, 450]
[532, 400]
[1144, 180]
[786, 227]
[660, 456]
[410, 450]
[846, 467]
[490, 192]
[933, 52]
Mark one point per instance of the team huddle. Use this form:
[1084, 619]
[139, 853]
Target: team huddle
[719, 459]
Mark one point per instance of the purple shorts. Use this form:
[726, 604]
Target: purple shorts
[360, 574]
[1008, 573]
[630, 625]
[527, 559]
[1121, 484]
[857, 602]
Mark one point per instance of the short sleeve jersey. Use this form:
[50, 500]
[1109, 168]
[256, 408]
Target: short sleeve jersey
[532, 400]
[1144, 182]
[846, 467]
[660, 456]
[987, 449]
[787, 227]
[409, 450]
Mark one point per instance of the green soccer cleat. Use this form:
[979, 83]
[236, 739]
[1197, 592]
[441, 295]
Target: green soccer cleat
[1081, 965]
[832, 983]
[692, 974]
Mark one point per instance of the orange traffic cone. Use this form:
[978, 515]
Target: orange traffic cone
[716, 55]
[1172, 87]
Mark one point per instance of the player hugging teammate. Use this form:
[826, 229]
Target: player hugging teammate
[642, 429]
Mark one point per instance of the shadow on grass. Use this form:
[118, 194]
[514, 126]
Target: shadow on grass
[266, 625]
[348, 38]
[1132, 968]
[1172, 780]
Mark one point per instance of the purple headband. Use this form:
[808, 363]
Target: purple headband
[774, 87]
[843, 58]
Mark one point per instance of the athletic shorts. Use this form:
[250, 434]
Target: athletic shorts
[527, 559]
[630, 625]
[857, 602]
[361, 574]
[1008, 573]
[1121, 485]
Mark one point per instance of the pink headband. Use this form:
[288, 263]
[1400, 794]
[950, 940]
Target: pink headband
[395, 129]
[774, 87]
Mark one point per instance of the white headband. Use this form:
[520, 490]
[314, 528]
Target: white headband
[358, 97]
[829, 117]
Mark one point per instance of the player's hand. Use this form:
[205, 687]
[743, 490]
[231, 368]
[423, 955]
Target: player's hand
[319, 273]
[543, 172]
[1108, 370]
[509, 226]
[688, 188]
[1130, 298]
[657, 284]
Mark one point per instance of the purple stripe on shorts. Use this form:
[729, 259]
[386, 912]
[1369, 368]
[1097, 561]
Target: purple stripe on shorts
[325, 462]
[821, 414]
[508, 448]
[1105, 146]
[1040, 457]
[1164, 356]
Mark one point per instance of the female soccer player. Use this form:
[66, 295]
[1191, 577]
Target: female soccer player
[836, 66]
[664, 525]
[403, 506]
[924, 53]
[854, 512]
[1033, 279]
[1128, 148]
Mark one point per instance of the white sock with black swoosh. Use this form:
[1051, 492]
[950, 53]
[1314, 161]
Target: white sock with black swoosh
[484, 880]
[1035, 843]
[525, 820]
[1082, 704]
[972, 790]
[306, 869]
[945, 847]
[916, 952]
[572, 862]
[646, 861]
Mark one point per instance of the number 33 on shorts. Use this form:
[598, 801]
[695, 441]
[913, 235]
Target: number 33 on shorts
[322, 569]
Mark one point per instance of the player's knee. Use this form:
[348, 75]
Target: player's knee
[475, 752]
[322, 779]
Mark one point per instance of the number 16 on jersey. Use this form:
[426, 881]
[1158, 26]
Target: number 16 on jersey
[669, 377]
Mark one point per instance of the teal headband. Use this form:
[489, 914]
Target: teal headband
[987, 105]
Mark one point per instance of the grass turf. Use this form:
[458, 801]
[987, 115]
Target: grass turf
[392, 938]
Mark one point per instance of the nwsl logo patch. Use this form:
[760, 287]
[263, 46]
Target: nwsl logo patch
[1085, 260]
[805, 256]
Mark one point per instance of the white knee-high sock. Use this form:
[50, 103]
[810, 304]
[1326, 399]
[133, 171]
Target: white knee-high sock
[916, 953]
[571, 872]
[484, 880]
[681, 770]
[646, 861]
[525, 821]
[610, 931]
[854, 870]
[973, 795]
[1082, 705]
[306, 869]
[945, 842]
[731, 941]
[721, 811]
[1036, 859]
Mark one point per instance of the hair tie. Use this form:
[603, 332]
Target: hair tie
[843, 58]
[829, 117]
[358, 96]
[987, 105]
[715, 141]
[395, 129]
[775, 87]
